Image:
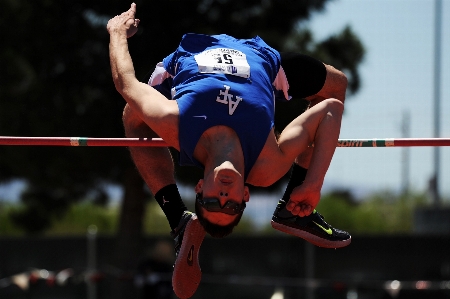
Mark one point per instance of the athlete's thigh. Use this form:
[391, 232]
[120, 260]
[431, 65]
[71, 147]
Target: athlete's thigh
[271, 164]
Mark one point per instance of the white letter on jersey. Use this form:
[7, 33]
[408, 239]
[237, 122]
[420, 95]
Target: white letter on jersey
[232, 105]
[228, 99]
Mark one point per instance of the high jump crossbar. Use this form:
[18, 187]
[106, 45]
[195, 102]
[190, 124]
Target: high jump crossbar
[158, 142]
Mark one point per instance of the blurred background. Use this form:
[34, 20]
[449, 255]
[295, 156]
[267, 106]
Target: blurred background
[79, 222]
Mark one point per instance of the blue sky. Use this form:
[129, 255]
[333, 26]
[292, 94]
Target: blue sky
[397, 78]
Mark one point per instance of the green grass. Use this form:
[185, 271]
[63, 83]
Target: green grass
[80, 216]
[380, 213]
[7, 227]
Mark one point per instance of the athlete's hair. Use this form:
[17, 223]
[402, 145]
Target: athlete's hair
[215, 230]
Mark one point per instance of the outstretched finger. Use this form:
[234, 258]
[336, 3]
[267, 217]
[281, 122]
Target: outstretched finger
[131, 12]
[133, 8]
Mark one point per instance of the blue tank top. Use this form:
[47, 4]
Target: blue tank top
[221, 80]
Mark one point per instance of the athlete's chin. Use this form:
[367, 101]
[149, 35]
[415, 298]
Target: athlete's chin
[227, 173]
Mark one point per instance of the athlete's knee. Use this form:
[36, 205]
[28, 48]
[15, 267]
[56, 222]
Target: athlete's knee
[333, 106]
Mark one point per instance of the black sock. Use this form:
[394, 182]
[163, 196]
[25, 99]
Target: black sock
[170, 201]
[298, 175]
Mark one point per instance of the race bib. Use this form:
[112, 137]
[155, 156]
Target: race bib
[223, 60]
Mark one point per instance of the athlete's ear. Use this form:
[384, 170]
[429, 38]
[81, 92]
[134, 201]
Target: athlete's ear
[199, 186]
[246, 194]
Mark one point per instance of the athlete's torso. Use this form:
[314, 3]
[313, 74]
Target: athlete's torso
[220, 80]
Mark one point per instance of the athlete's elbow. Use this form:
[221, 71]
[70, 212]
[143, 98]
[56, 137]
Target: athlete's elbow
[118, 82]
[123, 85]
[336, 77]
[341, 84]
[336, 84]
[118, 85]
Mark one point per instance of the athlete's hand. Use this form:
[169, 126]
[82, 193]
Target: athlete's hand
[303, 200]
[124, 23]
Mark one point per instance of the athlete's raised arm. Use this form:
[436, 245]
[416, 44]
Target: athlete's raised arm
[151, 106]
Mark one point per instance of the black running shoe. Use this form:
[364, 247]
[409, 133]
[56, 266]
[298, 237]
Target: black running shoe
[188, 237]
[312, 228]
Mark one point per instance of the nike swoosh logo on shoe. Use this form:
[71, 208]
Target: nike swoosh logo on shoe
[190, 257]
[328, 231]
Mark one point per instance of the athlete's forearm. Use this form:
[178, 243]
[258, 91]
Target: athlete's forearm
[134, 92]
[122, 68]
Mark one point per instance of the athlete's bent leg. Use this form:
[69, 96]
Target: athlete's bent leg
[320, 126]
[312, 228]
[156, 168]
